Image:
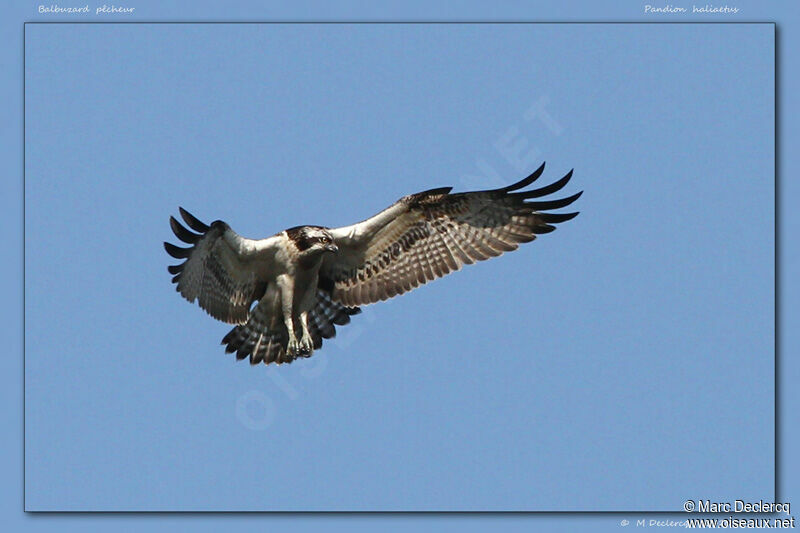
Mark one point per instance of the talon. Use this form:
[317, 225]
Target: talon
[293, 348]
[306, 346]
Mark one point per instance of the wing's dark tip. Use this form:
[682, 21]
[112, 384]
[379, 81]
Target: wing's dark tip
[175, 269]
[543, 228]
[544, 191]
[555, 218]
[554, 204]
[525, 182]
[176, 251]
[182, 233]
[192, 221]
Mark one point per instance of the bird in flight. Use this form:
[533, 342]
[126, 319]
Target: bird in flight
[307, 280]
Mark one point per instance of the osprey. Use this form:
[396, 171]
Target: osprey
[308, 279]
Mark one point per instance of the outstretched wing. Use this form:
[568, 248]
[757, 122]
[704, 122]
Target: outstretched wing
[427, 235]
[223, 271]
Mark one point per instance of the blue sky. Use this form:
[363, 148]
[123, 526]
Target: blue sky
[610, 365]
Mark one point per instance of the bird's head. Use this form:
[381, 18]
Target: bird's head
[312, 240]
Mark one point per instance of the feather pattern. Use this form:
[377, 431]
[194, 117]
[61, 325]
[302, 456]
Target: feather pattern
[263, 337]
[427, 235]
[218, 270]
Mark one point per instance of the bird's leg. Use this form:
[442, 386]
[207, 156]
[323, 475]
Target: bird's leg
[306, 343]
[286, 286]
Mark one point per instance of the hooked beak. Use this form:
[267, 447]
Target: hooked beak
[332, 248]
